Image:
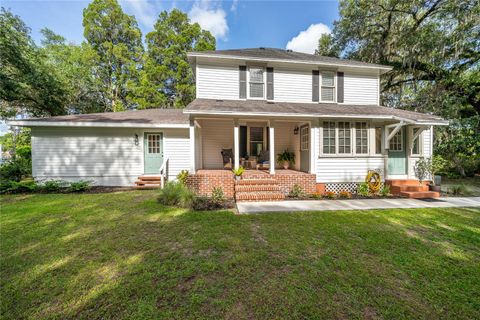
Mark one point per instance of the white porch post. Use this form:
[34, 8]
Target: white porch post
[386, 147]
[271, 143]
[236, 144]
[192, 146]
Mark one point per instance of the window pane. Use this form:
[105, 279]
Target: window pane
[396, 143]
[327, 94]
[416, 145]
[344, 137]
[256, 148]
[378, 140]
[328, 79]
[361, 141]
[329, 137]
[256, 75]
[256, 90]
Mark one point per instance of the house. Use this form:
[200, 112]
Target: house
[257, 103]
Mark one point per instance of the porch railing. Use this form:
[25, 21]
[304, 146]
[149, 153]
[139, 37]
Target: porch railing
[164, 172]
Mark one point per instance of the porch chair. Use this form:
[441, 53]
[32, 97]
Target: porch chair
[263, 162]
[227, 157]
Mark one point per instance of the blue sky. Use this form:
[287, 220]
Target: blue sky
[235, 24]
[295, 25]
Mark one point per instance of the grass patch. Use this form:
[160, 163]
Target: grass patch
[123, 255]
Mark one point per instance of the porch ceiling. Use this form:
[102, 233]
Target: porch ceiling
[326, 110]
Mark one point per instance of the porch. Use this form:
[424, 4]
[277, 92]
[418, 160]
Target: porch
[255, 184]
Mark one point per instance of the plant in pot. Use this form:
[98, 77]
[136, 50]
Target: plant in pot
[286, 158]
[437, 164]
[238, 172]
[422, 169]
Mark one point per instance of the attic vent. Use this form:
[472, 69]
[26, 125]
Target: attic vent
[262, 48]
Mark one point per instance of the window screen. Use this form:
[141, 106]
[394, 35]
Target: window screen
[328, 86]
[361, 137]
[256, 83]
[344, 139]
[329, 137]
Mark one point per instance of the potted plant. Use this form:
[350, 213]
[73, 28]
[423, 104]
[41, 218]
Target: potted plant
[286, 158]
[422, 169]
[437, 163]
[238, 172]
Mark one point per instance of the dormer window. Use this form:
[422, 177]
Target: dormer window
[256, 83]
[328, 87]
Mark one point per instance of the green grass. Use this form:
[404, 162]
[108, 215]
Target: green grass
[122, 255]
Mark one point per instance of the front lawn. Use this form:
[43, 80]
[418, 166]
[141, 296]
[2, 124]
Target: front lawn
[122, 255]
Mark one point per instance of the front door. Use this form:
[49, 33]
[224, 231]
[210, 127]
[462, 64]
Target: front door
[397, 159]
[153, 149]
[304, 148]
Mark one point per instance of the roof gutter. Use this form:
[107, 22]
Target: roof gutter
[39, 123]
[221, 56]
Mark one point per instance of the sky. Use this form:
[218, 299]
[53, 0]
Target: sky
[295, 25]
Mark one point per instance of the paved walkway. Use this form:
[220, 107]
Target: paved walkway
[360, 204]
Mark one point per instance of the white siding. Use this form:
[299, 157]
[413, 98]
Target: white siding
[292, 85]
[106, 156]
[360, 89]
[217, 82]
[427, 153]
[216, 135]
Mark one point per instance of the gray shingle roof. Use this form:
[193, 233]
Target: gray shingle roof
[280, 54]
[147, 116]
[255, 107]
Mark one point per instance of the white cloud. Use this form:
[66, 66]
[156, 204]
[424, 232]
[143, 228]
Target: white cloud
[307, 40]
[211, 19]
[145, 12]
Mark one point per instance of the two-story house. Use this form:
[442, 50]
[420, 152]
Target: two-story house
[251, 105]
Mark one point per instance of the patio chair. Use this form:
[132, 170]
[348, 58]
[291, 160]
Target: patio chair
[263, 162]
[227, 157]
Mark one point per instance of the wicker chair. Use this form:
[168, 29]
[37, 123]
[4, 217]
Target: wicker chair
[227, 156]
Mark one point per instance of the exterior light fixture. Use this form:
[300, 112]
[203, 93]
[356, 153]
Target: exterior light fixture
[295, 130]
[136, 139]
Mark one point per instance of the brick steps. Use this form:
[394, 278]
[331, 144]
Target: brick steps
[410, 188]
[258, 189]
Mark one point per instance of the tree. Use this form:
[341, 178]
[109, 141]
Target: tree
[166, 79]
[326, 47]
[27, 84]
[74, 67]
[117, 40]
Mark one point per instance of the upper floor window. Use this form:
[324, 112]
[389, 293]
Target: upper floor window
[256, 83]
[328, 87]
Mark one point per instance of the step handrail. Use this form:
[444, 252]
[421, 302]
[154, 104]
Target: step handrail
[164, 172]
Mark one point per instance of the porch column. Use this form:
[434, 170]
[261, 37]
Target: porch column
[386, 147]
[192, 147]
[236, 144]
[271, 144]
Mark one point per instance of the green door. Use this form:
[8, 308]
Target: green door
[397, 159]
[304, 148]
[153, 150]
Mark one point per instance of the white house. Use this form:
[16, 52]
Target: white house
[258, 103]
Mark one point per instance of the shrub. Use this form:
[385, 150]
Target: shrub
[54, 185]
[459, 190]
[217, 194]
[316, 196]
[174, 193]
[345, 194]
[422, 169]
[330, 195]
[296, 192]
[207, 204]
[385, 190]
[79, 186]
[363, 189]
[15, 169]
[183, 176]
[24, 186]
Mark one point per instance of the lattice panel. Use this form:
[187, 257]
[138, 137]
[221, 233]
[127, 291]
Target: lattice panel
[343, 186]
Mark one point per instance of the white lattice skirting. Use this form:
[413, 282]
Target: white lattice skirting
[343, 186]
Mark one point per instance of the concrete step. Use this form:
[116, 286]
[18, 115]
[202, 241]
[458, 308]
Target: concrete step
[420, 195]
[259, 196]
[256, 187]
[255, 181]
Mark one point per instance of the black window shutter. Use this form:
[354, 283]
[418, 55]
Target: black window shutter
[315, 85]
[243, 81]
[340, 87]
[269, 83]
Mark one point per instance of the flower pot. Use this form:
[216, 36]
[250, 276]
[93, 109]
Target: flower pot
[434, 188]
[286, 165]
[238, 177]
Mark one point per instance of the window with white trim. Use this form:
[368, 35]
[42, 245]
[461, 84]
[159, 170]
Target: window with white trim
[256, 83]
[378, 140]
[416, 149]
[361, 138]
[396, 143]
[304, 138]
[328, 87]
[344, 138]
[329, 137]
